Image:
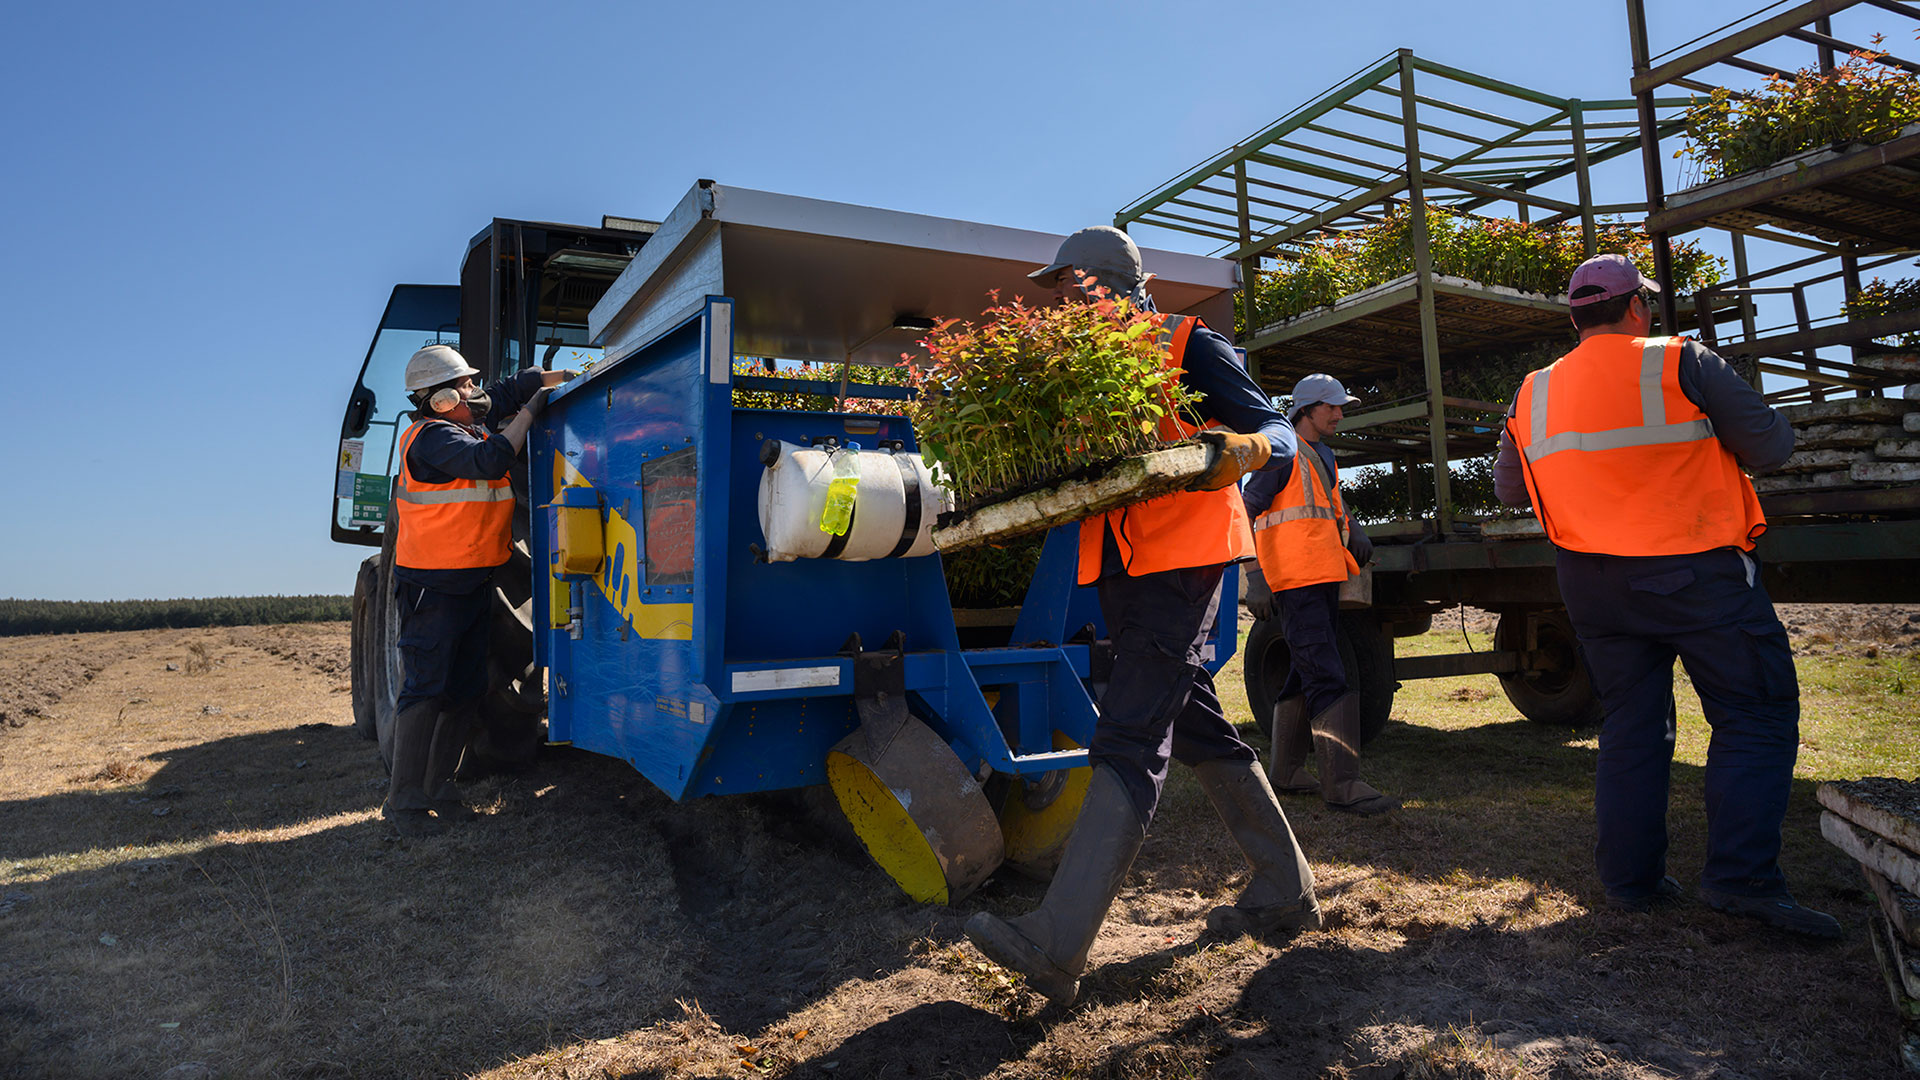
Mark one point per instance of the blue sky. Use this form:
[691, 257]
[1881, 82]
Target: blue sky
[207, 204]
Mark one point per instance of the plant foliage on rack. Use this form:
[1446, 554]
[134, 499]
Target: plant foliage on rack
[803, 401]
[1491, 251]
[1859, 101]
[992, 575]
[1029, 394]
[1879, 298]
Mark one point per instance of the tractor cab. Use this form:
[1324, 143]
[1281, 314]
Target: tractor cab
[525, 290]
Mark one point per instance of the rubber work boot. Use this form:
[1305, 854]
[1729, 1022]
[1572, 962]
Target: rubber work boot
[415, 824]
[1336, 741]
[1668, 891]
[1049, 945]
[451, 733]
[1292, 743]
[413, 731]
[1779, 912]
[1280, 896]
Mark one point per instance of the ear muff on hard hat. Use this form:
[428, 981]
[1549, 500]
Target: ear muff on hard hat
[436, 364]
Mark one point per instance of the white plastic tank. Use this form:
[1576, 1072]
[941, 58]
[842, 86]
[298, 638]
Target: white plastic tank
[896, 503]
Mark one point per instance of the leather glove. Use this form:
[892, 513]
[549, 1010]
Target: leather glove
[1359, 544]
[1239, 455]
[1260, 603]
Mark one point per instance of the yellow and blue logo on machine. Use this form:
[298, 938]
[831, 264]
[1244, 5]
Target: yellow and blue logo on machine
[617, 579]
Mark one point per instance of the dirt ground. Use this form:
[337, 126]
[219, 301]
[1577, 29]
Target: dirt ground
[194, 883]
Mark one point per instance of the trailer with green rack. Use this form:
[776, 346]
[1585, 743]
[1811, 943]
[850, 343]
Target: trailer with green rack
[1410, 231]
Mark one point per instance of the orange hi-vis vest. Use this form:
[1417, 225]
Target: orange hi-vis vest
[1302, 538]
[1171, 532]
[458, 525]
[1620, 462]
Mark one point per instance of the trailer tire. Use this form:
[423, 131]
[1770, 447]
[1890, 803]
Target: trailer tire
[1366, 651]
[1561, 697]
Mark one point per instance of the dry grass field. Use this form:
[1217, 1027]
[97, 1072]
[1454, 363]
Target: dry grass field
[194, 883]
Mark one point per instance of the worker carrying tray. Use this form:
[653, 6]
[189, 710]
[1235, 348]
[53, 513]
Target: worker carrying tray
[1040, 416]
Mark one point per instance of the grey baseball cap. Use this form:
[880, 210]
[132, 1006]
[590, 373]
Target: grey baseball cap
[1102, 251]
[1318, 389]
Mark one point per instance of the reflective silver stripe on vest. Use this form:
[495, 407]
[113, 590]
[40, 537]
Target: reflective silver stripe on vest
[503, 493]
[1311, 508]
[1653, 430]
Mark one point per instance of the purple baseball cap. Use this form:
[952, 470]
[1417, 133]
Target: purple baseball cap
[1604, 277]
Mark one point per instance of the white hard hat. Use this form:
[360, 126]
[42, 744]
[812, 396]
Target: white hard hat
[436, 364]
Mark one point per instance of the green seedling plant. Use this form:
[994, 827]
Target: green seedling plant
[1492, 251]
[1879, 298]
[1860, 101]
[1027, 394]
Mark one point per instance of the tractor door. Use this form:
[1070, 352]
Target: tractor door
[378, 410]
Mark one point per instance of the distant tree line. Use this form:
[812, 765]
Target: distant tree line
[18, 617]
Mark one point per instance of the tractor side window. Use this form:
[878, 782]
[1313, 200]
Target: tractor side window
[378, 411]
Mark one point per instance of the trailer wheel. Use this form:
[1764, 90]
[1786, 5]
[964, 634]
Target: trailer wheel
[1366, 651]
[1562, 695]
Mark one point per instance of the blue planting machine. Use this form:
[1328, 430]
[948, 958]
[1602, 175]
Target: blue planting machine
[679, 636]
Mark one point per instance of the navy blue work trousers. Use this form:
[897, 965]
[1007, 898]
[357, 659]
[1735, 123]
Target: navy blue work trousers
[443, 643]
[1160, 702]
[1633, 617]
[1309, 619]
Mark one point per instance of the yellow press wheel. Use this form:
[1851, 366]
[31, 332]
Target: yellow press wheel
[918, 811]
[1037, 813]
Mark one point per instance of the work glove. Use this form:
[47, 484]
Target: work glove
[1239, 455]
[537, 404]
[1259, 597]
[1359, 544]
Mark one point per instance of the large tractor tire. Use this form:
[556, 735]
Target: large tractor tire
[366, 594]
[1366, 651]
[1563, 694]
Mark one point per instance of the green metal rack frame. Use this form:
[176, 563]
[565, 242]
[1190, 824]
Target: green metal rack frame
[1385, 137]
[1854, 208]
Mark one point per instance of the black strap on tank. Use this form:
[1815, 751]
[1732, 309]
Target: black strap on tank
[910, 484]
[839, 543]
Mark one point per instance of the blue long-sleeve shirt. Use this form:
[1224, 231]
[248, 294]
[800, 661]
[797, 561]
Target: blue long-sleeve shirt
[448, 451]
[1759, 438]
[1229, 395]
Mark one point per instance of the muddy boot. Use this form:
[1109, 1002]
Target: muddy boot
[1336, 741]
[1292, 742]
[1049, 945]
[413, 732]
[1280, 896]
[450, 736]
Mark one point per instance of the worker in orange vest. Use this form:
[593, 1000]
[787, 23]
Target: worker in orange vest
[1308, 548]
[453, 516]
[1158, 565]
[1630, 450]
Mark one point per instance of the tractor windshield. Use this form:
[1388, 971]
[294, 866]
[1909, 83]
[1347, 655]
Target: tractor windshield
[378, 410]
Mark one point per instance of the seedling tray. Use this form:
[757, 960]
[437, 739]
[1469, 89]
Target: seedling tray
[1109, 486]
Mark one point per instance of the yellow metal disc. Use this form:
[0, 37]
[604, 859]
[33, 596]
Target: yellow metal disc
[886, 829]
[1035, 821]
[920, 813]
